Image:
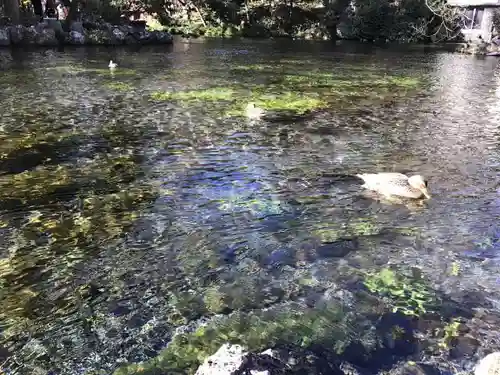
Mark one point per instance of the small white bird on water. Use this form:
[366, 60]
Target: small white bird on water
[112, 65]
[253, 112]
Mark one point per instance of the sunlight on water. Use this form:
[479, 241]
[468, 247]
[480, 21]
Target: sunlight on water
[138, 203]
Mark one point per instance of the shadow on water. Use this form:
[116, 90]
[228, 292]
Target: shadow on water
[137, 204]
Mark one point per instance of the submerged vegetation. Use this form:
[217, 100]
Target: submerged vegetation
[409, 295]
[119, 86]
[137, 240]
[299, 92]
[256, 331]
[212, 94]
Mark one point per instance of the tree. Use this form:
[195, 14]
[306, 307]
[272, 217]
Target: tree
[11, 8]
[444, 23]
[333, 11]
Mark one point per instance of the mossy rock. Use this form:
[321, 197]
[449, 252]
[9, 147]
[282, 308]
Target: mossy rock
[256, 331]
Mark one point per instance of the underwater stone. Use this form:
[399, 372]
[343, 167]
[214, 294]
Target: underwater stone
[489, 365]
[413, 368]
[226, 361]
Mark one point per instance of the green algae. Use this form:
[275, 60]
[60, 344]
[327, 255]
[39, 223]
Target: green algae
[291, 101]
[43, 182]
[42, 135]
[77, 69]
[409, 295]
[296, 102]
[101, 218]
[210, 94]
[256, 67]
[292, 90]
[119, 86]
[348, 85]
[255, 331]
[254, 205]
[353, 228]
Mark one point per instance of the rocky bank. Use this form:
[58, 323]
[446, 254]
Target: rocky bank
[51, 33]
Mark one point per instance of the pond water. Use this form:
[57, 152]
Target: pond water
[128, 214]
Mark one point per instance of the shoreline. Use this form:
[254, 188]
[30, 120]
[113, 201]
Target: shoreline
[50, 33]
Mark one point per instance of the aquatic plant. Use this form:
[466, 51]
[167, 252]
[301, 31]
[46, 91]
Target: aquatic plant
[257, 206]
[408, 295]
[450, 331]
[119, 86]
[255, 330]
[299, 91]
[351, 228]
[43, 182]
[210, 94]
[348, 82]
[41, 135]
[256, 67]
[102, 218]
[288, 100]
[291, 101]
[78, 69]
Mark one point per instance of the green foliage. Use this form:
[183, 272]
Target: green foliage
[409, 295]
[372, 20]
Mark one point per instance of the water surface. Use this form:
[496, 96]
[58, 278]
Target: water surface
[121, 214]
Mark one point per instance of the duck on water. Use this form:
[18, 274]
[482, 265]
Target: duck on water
[396, 184]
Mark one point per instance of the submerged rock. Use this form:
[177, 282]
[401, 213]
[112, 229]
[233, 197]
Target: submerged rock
[226, 361]
[413, 368]
[4, 37]
[489, 365]
[235, 360]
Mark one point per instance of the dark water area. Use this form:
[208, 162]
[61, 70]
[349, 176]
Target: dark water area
[124, 219]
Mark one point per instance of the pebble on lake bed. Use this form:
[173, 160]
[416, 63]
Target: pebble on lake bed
[226, 361]
[489, 365]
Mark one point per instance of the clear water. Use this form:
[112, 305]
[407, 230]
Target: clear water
[122, 203]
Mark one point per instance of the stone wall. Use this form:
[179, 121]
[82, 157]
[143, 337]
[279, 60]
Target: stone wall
[51, 33]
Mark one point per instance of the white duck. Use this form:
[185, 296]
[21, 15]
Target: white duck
[112, 65]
